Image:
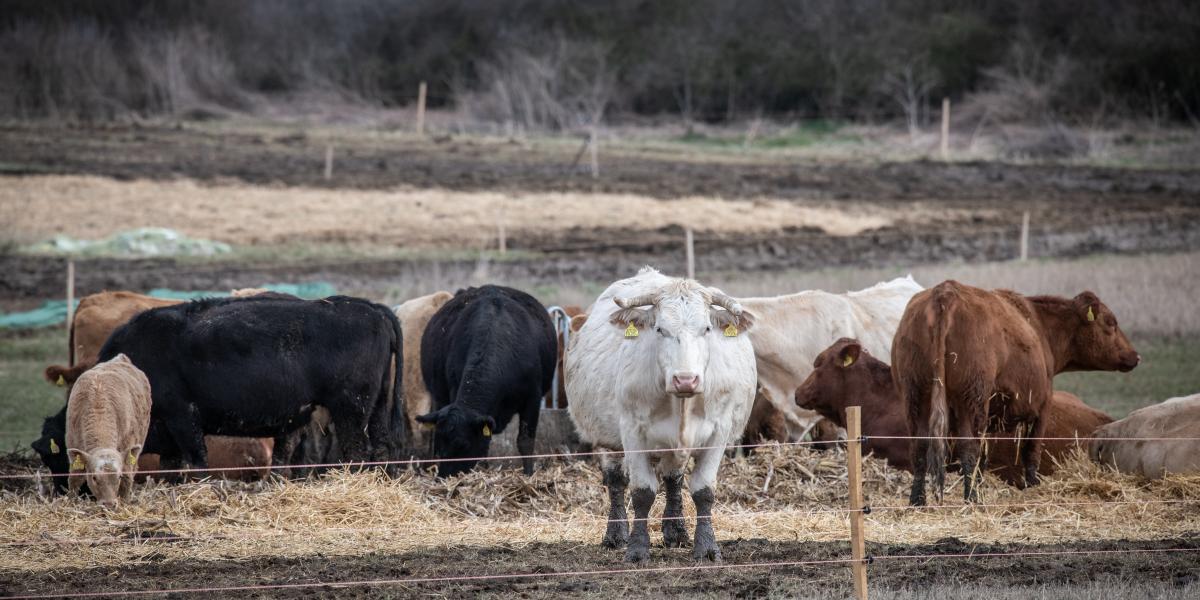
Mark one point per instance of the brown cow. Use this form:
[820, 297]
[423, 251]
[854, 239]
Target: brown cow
[767, 423]
[228, 456]
[108, 416]
[845, 375]
[967, 360]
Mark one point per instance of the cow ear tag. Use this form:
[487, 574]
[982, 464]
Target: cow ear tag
[77, 464]
[132, 460]
[631, 331]
[849, 360]
[53, 446]
[61, 382]
[487, 431]
[1091, 315]
[731, 330]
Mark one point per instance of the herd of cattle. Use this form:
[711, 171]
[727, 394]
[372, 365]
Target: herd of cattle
[659, 371]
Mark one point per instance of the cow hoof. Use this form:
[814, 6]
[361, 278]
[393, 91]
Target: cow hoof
[616, 536]
[675, 534]
[637, 554]
[711, 553]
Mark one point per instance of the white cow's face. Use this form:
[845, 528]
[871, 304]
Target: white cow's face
[681, 323]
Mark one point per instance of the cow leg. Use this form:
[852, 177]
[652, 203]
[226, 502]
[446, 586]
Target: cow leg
[918, 424]
[645, 488]
[968, 457]
[704, 476]
[1031, 452]
[615, 481]
[675, 533]
[527, 432]
[189, 437]
[350, 423]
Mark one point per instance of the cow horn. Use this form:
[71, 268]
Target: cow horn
[727, 303]
[644, 300]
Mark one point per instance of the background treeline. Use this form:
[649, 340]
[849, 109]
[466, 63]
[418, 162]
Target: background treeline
[563, 63]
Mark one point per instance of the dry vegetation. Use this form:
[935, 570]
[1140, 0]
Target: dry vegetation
[775, 493]
[242, 214]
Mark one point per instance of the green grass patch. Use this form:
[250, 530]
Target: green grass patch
[26, 398]
[809, 133]
[1167, 370]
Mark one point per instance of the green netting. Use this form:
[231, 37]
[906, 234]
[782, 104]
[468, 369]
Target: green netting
[54, 312]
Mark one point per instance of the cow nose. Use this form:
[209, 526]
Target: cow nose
[685, 383]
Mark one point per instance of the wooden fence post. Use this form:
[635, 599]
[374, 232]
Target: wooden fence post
[854, 475]
[690, 244]
[592, 145]
[1025, 237]
[70, 292]
[328, 161]
[503, 235]
[421, 109]
[945, 129]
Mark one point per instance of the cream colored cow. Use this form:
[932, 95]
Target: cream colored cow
[108, 416]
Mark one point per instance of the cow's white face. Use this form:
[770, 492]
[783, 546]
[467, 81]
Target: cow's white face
[681, 323]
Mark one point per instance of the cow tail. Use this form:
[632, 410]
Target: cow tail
[940, 315]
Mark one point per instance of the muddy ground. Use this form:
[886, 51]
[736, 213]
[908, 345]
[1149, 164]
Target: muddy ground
[1075, 210]
[550, 561]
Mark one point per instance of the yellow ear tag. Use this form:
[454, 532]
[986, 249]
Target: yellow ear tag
[61, 382]
[428, 426]
[1091, 315]
[849, 360]
[132, 460]
[487, 431]
[77, 464]
[731, 330]
[631, 331]
[53, 447]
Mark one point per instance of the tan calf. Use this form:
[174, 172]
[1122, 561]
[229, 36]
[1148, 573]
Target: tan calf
[108, 416]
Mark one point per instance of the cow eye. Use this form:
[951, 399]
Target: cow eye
[658, 330]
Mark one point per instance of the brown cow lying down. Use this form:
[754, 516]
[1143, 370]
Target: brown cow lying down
[1177, 417]
[767, 423]
[966, 360]
[108, 416]
[846, 375]
[225, 452]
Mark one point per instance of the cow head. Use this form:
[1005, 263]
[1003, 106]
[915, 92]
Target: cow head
[824, 390]
[681, 320]
[1099, 343]
[460, 432]
[843, 375]
[52, 448]
[102, 470]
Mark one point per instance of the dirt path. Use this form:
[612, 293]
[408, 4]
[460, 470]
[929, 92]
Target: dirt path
[1055, 565]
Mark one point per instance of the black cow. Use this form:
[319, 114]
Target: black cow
[257, 367]
[486, 355]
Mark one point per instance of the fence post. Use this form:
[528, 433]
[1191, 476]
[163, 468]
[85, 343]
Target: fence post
[421, 109]
[328, 161]
[592, 143]
[854, 475]
[945, 129]
[503, 235]
[1025, 236]
[70, 297]
[690, 243]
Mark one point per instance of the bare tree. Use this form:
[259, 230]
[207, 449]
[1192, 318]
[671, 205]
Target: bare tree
[908, 84]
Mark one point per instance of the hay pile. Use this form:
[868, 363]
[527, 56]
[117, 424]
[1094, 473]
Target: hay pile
[775, 493]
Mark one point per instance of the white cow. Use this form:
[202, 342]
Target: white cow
[792, 330]
[1153, 459]
[661, 363]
